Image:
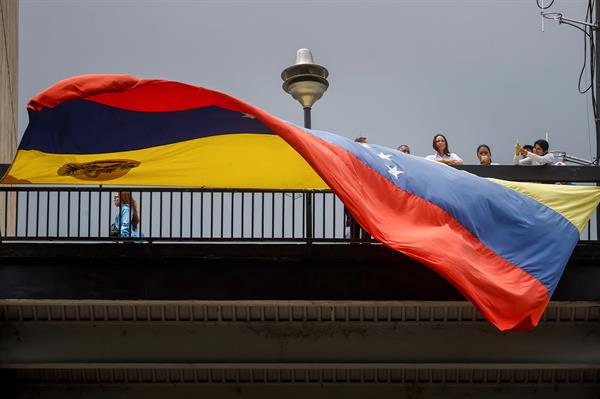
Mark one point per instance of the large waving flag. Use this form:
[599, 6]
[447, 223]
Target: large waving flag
[504, 245]
[122, 130]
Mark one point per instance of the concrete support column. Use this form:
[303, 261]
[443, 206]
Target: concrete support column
[9, 68]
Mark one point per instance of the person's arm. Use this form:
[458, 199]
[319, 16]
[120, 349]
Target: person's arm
[516, 160]
[115, 227]
[125, 221]
[454, 160]
[525, 161]
[541, 159]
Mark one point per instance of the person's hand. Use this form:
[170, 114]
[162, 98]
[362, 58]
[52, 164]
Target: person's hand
[520, 150]
[485, 160]
[450, 162]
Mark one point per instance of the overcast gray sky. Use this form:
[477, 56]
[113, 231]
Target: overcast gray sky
[481, 71]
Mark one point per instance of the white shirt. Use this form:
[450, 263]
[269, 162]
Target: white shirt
[537, 160]
[447, 157]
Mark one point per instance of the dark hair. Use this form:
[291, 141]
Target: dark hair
[361, 139]
[126, 198]
[542, 143]
[528, 148]
[446, 150]
[481, 146]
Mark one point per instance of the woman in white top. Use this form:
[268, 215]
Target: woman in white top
[443, 154]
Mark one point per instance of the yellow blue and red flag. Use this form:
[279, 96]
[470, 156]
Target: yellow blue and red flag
[503, 245]
[103, 129]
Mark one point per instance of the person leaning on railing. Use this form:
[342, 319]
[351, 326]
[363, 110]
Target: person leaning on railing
[443, 154]
[127, 219]
[538, 157]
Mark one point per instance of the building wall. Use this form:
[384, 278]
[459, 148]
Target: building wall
[9, 55]
[9, 67]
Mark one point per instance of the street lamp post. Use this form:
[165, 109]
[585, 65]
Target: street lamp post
[306, 82]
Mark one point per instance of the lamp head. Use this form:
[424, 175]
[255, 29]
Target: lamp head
[305, 81]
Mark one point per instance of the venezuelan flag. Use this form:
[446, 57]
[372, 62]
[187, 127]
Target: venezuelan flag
[116, 129]
[503, 245]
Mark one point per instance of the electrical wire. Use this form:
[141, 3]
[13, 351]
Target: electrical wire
[589, 128]
[589, 43]
[592, 45]
[544, 7]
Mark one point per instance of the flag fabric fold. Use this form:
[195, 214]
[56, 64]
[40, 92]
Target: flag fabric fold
[503, 245]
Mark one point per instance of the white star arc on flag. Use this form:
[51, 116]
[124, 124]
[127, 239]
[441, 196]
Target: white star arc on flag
[394, 171]
[387, 157]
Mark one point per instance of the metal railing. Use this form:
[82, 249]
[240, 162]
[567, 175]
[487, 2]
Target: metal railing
[59, 213]
[175, 214]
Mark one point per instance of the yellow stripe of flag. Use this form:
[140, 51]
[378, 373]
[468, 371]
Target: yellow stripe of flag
[258, 161]
[575, 203]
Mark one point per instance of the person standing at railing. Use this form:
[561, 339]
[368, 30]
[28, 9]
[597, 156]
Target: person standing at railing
[353, 230]
[443, 154]
[128, 219]
[484, 154]
[404, 148]
[538, 157]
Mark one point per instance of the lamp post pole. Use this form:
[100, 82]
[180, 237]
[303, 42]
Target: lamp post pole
[596, 34]
[307, 117]
[306, 82]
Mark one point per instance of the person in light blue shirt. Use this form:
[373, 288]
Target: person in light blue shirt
[128, 219]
